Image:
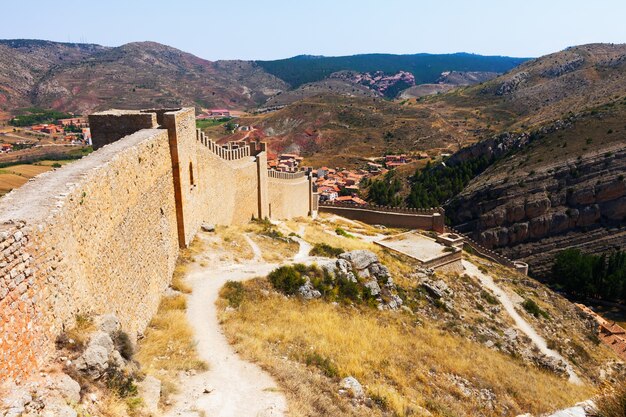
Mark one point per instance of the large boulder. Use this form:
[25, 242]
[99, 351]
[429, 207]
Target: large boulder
[93, 362]
[108, 323]
[95, 359]
[307, 291]
[360, 259]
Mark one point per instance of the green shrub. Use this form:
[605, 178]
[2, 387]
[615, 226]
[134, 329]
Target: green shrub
[323, 249]
[324, 364]
[123, 344]
[489, 298]
[233, 292]
[532, 308]
[286, 279]
[343, 233]
[348, 290]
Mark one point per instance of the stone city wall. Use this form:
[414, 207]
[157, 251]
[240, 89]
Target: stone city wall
[95, 236]
[102, 234]
[289, 195]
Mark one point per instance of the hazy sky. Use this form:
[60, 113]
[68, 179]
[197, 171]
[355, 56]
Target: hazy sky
[270, 29]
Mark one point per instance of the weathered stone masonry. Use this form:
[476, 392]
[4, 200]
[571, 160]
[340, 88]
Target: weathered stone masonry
[102, 234]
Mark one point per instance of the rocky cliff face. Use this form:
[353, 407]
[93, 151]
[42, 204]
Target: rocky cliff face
[582, 203]
[560, 186]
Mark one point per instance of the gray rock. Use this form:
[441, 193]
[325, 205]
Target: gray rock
[343, 266]
[68, 388]
[150, 392]
[438, 289]
[108, 323]
[308, 292]
[364, 273]
[379, 270]
[116, 359]
[15, 402]
[510, 333]
[58, 409]
[373, 287]
[353, 387]
[351, 277]
[102, 339]
[395, 302]
[94, 361]
[360, 259]
[207, 227]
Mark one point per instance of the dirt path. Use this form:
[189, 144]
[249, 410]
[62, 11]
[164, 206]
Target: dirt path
[231, 387]
[521, 324]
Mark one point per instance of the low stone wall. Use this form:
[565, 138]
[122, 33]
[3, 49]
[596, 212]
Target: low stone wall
[402, 218]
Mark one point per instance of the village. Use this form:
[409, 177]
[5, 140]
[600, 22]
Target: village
[70, 131]
[339, 185]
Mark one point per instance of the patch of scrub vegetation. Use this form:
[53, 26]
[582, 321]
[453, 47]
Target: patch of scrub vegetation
[34, 115]
[613, 403]
[531, 307]
[323, 249]
[404, 364]
[205, 123]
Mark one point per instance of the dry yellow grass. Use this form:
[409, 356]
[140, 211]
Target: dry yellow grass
[402, 364]
[28, 170]
[234, 243]
[9, 181]
[168, 345]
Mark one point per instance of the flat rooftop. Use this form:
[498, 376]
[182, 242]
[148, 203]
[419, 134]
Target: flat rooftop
[415, 245]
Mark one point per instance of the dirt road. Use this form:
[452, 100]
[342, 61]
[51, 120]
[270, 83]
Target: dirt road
[525, 327]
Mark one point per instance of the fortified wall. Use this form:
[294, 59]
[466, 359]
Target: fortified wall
[407, 218]
[103, 233]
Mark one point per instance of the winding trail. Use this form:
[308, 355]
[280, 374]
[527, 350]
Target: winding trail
[488, 282]
[231, 387]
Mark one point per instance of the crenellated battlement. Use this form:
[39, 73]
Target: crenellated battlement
[230, 152]
[285, 175]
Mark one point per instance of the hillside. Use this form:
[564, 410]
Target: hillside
[426, 68]
[448, 81]
[565, 188]
[85, 77]
[337, 130]
[548, 88]
[554, 158]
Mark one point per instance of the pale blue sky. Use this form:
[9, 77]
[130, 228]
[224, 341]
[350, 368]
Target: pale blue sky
[271, 29]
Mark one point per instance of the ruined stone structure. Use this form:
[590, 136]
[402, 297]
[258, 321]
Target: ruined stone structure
[103, 234]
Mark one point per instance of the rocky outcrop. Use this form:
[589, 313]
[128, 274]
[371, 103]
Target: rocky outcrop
[580, 203]
[363, 268]
[384, 84]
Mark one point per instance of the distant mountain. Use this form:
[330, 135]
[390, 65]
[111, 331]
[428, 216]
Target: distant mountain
[426, 68]
[87, 77]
